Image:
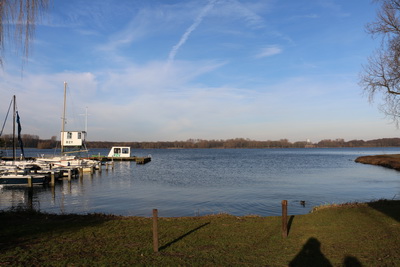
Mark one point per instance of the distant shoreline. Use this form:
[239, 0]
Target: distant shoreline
[31, 141]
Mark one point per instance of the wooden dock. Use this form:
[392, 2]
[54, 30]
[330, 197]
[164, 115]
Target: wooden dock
[138, 160]
[16, 159]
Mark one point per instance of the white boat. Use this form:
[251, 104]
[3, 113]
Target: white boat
[69, 162]
[120, 152]
[15, 172]
[71, 142]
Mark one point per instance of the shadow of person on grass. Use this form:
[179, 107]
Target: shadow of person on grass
[351, 261]
[310, 255]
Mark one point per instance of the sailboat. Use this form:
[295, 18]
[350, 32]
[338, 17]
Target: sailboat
[72, 142]
[14, 174]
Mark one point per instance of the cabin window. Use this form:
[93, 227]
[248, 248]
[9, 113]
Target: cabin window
[69, 135]
[79, 135]
[117, 150]
[125, 151]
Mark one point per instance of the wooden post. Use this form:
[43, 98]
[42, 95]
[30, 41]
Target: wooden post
[155, 230]
[52, 179]
[69, 175]
[99, 166]
[30, 184]
[284, 218]
[80, 172]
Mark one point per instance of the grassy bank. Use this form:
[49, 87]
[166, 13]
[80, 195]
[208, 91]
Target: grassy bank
[389, 161]
[368, 234]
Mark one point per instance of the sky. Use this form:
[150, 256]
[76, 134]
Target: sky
[166, 70]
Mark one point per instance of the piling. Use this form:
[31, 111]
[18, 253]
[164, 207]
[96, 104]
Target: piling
[69, 174]
[52, 178]
[30, 184]
[81, 172]
[99, 167]
[284, 219]
[155, 230]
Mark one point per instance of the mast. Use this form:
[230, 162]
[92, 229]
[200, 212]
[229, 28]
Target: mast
[86, 114]
[14, 144]
[63, 118]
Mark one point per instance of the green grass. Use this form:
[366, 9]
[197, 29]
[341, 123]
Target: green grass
[341, 235]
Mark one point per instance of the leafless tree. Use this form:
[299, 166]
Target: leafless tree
[381, 76]
[18, 19]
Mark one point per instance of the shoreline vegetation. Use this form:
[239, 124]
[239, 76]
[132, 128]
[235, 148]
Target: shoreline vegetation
[352, 234]
[33, 141]
[391, 161]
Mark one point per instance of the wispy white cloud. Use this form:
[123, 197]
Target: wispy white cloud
[247, 12]
[337, 9]
[269, 51]
[306, 16]
[135, 29]
[187, 33]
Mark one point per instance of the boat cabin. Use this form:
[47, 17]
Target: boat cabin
[120, 152]
[73, 138]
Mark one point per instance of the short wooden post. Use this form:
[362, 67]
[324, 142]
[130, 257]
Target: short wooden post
[112, 165]
[69, 174]
[81, 172]
[52, 179]
[99, 166]
[29, 178]
[284, 218]
[155, 230]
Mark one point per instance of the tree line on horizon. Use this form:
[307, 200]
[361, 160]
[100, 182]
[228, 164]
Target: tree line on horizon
[33, 141]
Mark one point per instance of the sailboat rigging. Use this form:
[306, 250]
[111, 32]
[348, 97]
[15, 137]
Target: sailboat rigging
[16, 119]
[71, 141]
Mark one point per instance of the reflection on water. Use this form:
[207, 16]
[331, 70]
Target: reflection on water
[198, 182]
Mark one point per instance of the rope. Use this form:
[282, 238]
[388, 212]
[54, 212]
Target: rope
[4, 124]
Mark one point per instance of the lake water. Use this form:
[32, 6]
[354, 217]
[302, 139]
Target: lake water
[191, 182]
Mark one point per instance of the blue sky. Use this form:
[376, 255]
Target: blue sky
[174, 70]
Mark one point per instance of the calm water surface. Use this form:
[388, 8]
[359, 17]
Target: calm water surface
[207, 181]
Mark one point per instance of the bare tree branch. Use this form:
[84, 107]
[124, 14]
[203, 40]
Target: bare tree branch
[18, 19]
[382, 73]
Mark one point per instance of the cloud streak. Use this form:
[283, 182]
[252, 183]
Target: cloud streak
[192, 27]
[269, 51]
